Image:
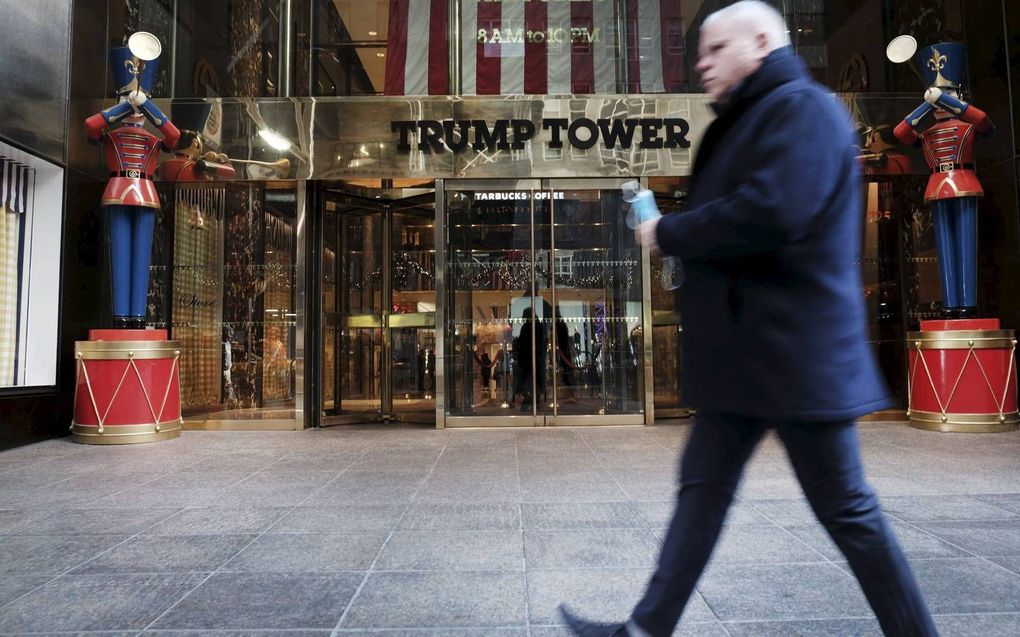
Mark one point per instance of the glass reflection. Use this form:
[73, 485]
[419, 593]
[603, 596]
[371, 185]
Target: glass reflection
[230, 298]
[545, 312]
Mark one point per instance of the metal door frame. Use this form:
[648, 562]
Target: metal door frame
[385, 321]
[444, 186]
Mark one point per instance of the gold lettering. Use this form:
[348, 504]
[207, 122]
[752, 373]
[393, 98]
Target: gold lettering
[496, 38]
[483, 36]
[557, 35]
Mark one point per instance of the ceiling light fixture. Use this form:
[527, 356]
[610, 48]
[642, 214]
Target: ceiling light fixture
[274, 139]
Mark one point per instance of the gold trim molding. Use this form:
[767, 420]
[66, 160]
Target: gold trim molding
[126, 434]
[964, 423]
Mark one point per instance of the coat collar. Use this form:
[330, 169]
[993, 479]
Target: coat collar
[778, 67]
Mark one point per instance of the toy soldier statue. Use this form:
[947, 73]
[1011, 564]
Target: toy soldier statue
[132, 153]
[945, 125]
[189, 163]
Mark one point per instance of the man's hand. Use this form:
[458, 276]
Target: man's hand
[136, 98]
[645, 234]
[932, 95]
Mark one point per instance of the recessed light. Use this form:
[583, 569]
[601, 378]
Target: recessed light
[380, 55]
[274, 139]
[373, 33]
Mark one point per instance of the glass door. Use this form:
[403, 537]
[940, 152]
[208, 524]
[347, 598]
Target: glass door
[378, 309]
[544, 309]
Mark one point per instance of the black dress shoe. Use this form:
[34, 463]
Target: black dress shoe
[120, 322]
[585, 628]
[137, 323]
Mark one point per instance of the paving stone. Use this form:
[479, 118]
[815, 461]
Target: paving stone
[452, 550]
[336, 519]
[913, 541]
[50, 554]
[96, 602]
[308, 553]
[461, 516]
[985, 537]
[581, 515]
[12, 588]
[781, 591]
[233, 633]
[684, 629]
[318, 461]
[590, 548]
[762, 544]
[99, 522]
[439, 600]
[660, 514]
[942, 507]
[974, 625]
[13, 520]
[786, 512]
[167, 554]
[264, 601]
[487, 490]
[1007, 501]
[968, 585]
[599, 595]
[805, 628]
[368, 487]
[1012, 562]
[218, 521]
[434, 632]
[582, 486]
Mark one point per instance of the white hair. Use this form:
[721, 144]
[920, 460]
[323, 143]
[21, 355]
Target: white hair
[755, 16]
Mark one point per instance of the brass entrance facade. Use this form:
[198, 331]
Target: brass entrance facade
[486, 303]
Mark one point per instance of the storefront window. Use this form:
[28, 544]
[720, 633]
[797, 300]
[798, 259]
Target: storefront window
[224, 283]
[544, 304]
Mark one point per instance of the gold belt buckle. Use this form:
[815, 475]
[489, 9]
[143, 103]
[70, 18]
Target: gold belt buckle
[134, 174]
[946, 166]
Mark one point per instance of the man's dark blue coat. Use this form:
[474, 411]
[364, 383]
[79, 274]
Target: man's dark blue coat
[773, 306]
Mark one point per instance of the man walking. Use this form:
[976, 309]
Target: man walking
[774, 326]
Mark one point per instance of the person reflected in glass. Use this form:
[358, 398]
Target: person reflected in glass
[485, 368]
[529, 350]
[565, 360]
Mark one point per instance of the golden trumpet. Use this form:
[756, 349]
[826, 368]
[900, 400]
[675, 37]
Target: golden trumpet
[281, 166]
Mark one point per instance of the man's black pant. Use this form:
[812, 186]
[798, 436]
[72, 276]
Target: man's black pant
[826, 459]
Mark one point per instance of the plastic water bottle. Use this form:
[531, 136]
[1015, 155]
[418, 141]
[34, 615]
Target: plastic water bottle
[642, 209]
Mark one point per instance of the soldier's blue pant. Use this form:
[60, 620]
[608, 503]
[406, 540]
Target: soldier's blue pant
[826, 459]
[130, 253]
[956, 240]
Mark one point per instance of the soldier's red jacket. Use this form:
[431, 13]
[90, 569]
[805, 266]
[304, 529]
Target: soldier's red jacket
[131, 155]
[949, 150]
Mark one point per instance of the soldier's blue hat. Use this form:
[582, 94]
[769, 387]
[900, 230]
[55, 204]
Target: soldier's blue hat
[121, 63]
[190, 115]
[943, 65]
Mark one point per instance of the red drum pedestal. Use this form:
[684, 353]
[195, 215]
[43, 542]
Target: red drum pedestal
[962, 376]
[128, 388]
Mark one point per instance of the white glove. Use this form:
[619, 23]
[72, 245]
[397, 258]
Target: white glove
[932, 95]
[137, 98]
